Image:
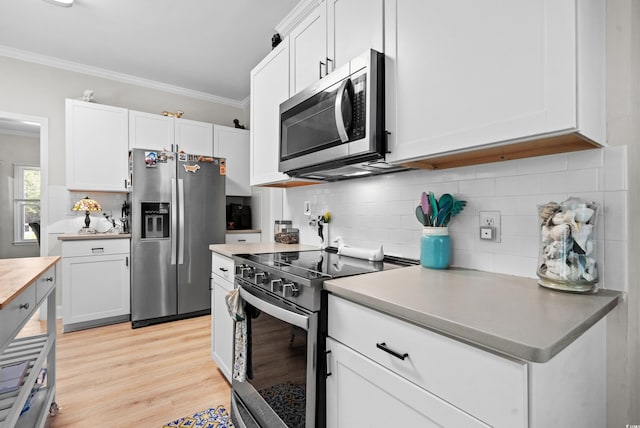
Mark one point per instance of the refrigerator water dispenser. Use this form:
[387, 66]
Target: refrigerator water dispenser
[155, 220]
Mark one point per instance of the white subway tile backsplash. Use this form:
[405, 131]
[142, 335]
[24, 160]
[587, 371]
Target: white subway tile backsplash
[496, 169]
[541, 164]
[482, 187]
[592, 158]
[380, 210]
[615, 168]
[582, 180]
[613, 273]
[614, 219]
[518, 185]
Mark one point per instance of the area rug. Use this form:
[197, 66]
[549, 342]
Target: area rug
[288, 401]
[210, 418]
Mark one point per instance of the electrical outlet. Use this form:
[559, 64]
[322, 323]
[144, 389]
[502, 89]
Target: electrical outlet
[490, 225]
[307, 208]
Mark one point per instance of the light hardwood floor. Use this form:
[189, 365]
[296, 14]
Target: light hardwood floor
[118, 377]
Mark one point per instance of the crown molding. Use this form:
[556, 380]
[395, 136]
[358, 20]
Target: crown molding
[302, 9]
[115, 76]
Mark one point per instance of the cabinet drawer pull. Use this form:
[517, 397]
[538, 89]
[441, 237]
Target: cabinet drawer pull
[396, 354]
[49, 279]
[242, 240]
[97, 250]
[24, 305]
[224, 269]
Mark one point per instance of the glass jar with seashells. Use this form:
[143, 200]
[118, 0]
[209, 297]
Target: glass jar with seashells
[567, 258]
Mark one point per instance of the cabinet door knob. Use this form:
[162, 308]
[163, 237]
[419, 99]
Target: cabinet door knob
[24, 306]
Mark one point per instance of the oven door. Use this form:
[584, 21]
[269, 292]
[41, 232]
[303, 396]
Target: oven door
[280, 386]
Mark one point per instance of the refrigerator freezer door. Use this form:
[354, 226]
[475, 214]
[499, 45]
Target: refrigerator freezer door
[203, 224]
[153, 277]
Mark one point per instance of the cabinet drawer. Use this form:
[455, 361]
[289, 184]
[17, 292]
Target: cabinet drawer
[16, 314]
[239, 238]
[45, 283]
[485, 385]
[95, 247]
[222, 266]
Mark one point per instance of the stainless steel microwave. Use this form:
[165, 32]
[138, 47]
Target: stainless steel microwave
[336, 122]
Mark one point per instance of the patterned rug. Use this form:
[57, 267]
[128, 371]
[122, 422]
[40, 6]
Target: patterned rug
[288, 401]
[210, 418]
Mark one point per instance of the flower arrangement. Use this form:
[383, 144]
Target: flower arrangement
[437, 213]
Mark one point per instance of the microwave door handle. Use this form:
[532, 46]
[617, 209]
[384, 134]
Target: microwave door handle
[342, 130]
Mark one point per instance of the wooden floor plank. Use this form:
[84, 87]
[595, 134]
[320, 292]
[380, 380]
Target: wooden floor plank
[118, 377]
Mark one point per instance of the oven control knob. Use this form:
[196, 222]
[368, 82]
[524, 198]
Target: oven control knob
[246, 271]
[276, 285]
[239, 269]
[289, 289]
[259, 278]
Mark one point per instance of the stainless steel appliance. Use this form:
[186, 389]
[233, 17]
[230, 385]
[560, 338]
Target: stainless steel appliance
[176, 210]
[283, 297]
[334, 129]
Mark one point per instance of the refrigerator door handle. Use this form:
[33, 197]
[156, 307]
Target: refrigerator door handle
[174, 220]
[181, 231]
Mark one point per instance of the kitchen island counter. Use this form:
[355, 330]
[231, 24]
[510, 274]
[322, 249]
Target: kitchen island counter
[509, 314]
[17, 274]
[229, 250]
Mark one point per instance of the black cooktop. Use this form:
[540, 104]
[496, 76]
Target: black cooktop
[320, 263]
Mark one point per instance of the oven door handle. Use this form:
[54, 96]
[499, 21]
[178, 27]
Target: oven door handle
[289, 317]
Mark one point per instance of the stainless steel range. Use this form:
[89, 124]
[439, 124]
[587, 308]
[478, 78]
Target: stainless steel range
[284, 307]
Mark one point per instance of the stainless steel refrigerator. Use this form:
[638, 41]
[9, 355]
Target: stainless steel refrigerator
[177, 209]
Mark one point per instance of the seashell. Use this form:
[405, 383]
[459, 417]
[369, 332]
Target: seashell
[558, 218]
[581, 235]
[558, 268]
[555, 250]
[560, 232]
[583, 214]
[545, 234]
[547, 210]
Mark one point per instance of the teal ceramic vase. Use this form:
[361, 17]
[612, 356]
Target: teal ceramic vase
[435, 247]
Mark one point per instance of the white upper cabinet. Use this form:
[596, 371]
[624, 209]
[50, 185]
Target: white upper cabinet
[194, 137]
[464, 74]
[331, 35]
[353, 27]
[269, 88]
[233, 144]
[158, 132]
[96, 146]
[150, 131]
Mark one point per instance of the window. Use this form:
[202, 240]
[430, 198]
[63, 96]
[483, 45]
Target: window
[26, 203]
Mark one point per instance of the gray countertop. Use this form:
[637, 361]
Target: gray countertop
[511, 315]
[86, 236]
[229, 250]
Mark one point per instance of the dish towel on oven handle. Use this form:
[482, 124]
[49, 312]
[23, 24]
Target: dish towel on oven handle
[235, 307]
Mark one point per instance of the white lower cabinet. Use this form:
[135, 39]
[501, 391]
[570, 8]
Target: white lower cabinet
[383, 371]
[95, 283]
[363, 393]
[221, 322]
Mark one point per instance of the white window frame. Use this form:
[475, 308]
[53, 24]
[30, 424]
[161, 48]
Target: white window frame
[19, 202]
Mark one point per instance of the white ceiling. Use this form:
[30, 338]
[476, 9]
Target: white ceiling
[204, 46]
